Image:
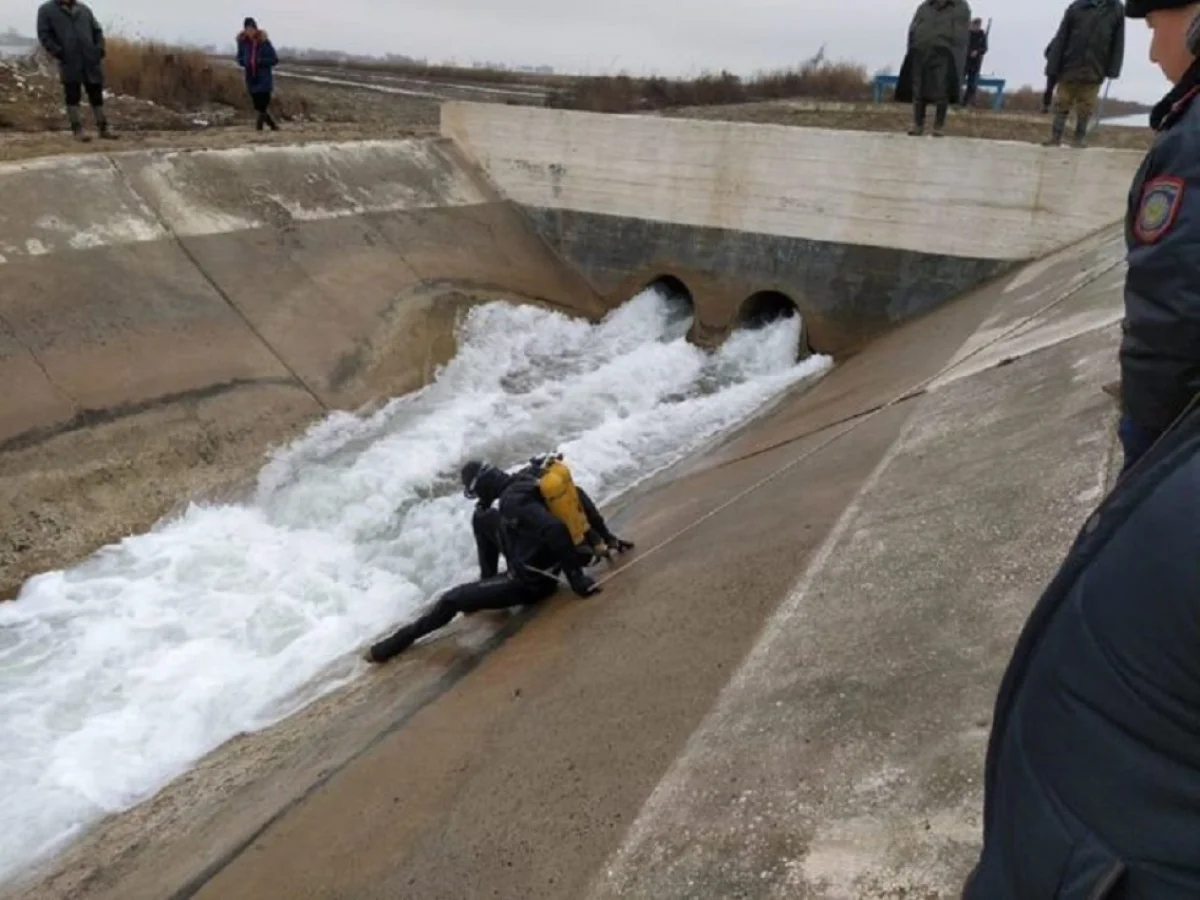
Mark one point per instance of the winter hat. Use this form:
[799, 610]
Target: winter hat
[250, 23]
[1137, 9]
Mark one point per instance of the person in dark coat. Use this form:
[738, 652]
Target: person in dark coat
[69, 32]
[936, 60]
[1089, 47]
[1092, 782]
[977, 48]
[256, 55]
[511, 519]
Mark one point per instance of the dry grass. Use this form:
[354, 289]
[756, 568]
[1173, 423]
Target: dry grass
[183, 79]
[816, 78]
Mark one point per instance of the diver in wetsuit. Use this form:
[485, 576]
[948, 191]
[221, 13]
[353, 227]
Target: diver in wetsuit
[512, 518]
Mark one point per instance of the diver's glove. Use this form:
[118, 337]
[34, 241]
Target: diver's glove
[580, 583]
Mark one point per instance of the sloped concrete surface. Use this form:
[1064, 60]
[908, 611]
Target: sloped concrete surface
[844, 759]
[708, 727]
[190, 309]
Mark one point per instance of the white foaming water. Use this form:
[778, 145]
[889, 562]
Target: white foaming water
[118, 674]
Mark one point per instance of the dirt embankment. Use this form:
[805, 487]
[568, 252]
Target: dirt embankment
[32, 121]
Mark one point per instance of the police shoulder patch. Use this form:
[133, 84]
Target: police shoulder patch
[1161, 199]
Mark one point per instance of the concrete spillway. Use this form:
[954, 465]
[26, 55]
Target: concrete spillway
[198, 306]
[168, 316]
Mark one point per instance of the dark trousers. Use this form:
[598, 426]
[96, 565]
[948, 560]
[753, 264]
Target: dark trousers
[501, 592]
[1136, 441]
[262, 102]
[972, 87]
[940, 112]
[74, 93]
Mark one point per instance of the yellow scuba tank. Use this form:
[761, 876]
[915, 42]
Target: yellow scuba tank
[561, 496]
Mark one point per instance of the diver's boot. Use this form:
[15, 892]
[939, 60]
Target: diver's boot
[918, 125]
[77, 124]
[391, 647]
[939, 120]
[1056, 131]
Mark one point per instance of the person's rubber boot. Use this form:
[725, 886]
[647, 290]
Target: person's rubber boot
[271, 122]
[1056, 131]
[918, 125]
[77, 125]
[939, 120]
[102, 128]
[1081, 129]
[260, 121]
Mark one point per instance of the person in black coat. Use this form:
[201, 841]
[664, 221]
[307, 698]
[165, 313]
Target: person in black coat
[1092, 782]
[977, 49]
[932, 72]
[256, 55]
[69, 32]
[511, 519]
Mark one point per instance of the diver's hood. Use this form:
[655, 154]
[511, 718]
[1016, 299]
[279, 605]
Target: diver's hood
[484, 482]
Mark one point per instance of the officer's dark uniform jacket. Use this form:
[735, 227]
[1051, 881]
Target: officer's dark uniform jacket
[1093, 769]
[1160, 349]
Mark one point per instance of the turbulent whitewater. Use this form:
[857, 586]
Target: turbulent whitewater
[119, 673]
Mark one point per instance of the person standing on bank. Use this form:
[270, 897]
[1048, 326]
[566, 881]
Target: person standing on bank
[1089, 47]
[936, 61]
[1092, 782]
[977, 49]
[69, 32]
[256, 55]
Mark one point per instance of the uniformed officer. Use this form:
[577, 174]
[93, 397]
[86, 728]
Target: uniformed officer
[1160, 350]
[1092, 780]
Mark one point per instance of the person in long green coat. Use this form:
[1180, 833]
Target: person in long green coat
[936, 61]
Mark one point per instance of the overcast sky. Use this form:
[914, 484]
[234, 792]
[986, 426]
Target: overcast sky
[671, 37]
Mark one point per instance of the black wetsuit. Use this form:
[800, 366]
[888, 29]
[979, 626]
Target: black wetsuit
[536, 546]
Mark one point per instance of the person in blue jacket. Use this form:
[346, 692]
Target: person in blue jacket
[1092, 782]
[256, 55]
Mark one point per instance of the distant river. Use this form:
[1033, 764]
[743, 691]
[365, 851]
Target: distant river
[1137, 120]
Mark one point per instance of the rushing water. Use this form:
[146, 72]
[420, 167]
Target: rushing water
[119, 673]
